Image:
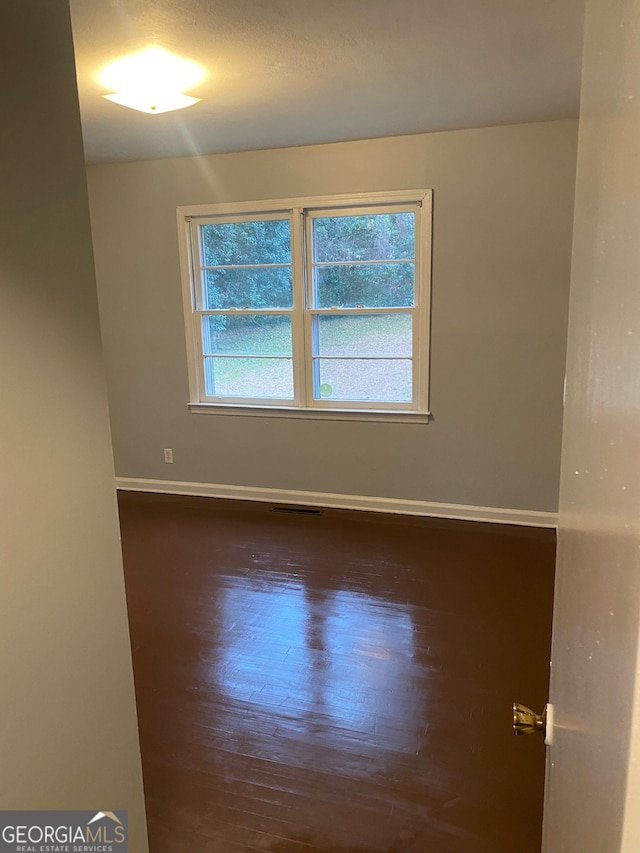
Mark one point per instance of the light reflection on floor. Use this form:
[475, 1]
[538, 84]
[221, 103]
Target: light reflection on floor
[334, 662]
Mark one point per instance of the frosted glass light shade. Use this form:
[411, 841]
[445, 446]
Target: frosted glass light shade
[145, 103]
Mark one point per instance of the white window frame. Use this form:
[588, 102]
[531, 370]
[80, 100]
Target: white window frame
[301, 212]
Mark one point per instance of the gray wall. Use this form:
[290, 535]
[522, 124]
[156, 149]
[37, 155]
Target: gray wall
[501, 262]
[68, 732]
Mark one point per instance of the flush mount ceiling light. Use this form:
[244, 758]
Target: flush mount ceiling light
[152, 80]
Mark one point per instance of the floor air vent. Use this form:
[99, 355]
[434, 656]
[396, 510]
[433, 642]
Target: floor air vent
[297, 510]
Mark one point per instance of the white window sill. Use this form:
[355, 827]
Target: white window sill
[375, 415]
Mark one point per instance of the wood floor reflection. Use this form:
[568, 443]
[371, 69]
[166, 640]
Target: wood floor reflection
[335, 682]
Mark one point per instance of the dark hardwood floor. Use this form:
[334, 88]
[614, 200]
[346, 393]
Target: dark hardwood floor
[335, 682]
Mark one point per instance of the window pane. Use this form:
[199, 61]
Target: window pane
[249, 377]
[247, 334]
[379, 380]
[366, 237]
[263, 287]
[369, 285]
[254, 242]
[377, 334]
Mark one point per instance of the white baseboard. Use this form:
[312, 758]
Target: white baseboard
[465, 512]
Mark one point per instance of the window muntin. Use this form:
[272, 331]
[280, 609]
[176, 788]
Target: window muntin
[309, 306]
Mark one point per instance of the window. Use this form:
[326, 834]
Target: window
[309, 306]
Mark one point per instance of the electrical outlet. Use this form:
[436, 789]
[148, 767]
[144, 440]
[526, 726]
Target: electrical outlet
[168, 454]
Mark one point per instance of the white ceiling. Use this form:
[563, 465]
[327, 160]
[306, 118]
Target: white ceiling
[296, 72]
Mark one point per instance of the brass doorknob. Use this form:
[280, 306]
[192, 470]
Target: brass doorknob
[527, 722]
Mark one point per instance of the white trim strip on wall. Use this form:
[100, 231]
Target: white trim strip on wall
[465, 512]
